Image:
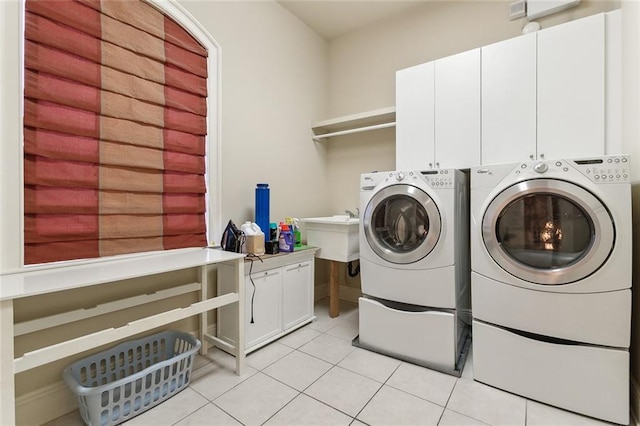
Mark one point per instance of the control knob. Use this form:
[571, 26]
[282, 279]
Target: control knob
[541, 167]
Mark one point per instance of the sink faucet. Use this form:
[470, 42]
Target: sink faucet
[352, 214]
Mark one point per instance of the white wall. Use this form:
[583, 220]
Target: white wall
[274, 78]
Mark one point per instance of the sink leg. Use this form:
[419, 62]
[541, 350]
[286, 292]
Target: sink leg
[334, 299]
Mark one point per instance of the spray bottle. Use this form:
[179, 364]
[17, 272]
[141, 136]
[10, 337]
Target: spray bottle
[297, 237]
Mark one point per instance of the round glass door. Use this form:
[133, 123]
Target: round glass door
[548, 231]
[401, 224]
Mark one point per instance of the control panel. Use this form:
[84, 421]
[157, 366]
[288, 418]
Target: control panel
[439, 179]
[612, 170]
[607, 169]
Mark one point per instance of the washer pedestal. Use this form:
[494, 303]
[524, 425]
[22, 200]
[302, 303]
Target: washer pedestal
[432, 338]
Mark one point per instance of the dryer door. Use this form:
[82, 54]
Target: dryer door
[548, 231]
[402, 224]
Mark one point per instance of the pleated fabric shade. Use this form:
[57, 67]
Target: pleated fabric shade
[115, 123]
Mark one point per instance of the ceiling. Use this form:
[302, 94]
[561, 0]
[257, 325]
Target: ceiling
[333, 18]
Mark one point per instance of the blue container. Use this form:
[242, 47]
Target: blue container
[262, 207]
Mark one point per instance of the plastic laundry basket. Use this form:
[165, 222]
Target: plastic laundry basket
[115, 385]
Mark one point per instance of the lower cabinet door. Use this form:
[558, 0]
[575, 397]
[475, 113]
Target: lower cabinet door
[298, 293]
[263, 307]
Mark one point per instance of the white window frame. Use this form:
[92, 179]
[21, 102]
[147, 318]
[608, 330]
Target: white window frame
[12, 15]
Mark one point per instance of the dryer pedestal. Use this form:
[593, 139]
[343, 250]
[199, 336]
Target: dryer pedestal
[433, 338]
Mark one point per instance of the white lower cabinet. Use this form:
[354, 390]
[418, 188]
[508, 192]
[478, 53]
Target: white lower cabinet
[279, 298]
[297, 294]
[263, 306]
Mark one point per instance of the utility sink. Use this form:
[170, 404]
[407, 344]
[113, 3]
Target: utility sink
[337, 237]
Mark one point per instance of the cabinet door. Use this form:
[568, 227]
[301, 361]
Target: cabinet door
[298, 293]
[509, 100]
[613, 84]
[263, 306]
[457, 110]
[571, 95]
[414, 118]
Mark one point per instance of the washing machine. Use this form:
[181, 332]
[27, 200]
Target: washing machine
[414, 265]
[551, 269]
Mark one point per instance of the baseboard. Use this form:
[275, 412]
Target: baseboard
[45, 404]
[349, 294]
[320, 291]
[635, 402]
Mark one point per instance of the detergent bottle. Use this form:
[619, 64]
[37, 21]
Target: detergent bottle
[285, 240]
[254, 242]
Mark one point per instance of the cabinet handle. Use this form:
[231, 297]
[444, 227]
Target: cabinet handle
[531, 156]
[431, 165]
[542, 156]
[437, 165]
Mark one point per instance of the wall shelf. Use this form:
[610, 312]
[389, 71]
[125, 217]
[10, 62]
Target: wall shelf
[355, 123]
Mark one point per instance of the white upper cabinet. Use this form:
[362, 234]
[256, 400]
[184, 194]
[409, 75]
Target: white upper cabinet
[457, 110]
[551, 94]
[571, 89]
[509, 100]
[438, 113]
[415, 117]
[613, 82]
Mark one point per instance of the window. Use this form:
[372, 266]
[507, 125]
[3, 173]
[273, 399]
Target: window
[115, 130]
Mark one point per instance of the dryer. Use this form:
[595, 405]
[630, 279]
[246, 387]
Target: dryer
[551, 281]
[414, 265]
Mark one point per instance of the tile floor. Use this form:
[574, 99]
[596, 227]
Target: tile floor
[314, 376]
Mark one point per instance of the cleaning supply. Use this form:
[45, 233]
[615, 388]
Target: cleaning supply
[262, 206]
[285, 240]
[254, 238]
[295, 230]
[297, 237]
[273, 231]
[271, 247]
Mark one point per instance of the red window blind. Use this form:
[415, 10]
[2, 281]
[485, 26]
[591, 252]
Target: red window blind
[115, 122]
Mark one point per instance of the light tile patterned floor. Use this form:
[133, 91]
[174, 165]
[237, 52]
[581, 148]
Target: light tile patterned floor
[314, 376]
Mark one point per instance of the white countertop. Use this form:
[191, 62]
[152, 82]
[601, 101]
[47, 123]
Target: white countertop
[58, 278]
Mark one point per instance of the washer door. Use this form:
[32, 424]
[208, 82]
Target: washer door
[402, 224]
[548, 231]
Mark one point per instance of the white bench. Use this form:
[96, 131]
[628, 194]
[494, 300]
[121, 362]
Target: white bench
[63, 278]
